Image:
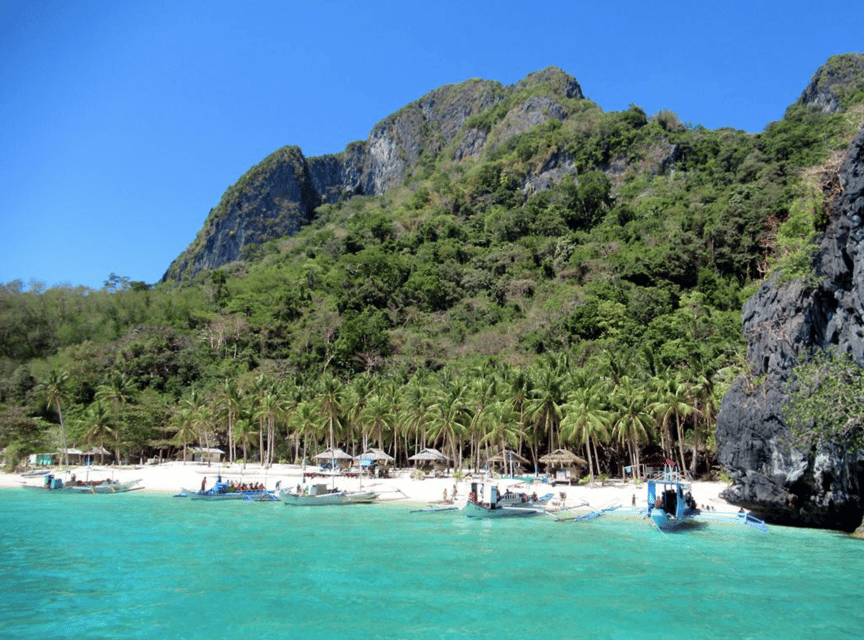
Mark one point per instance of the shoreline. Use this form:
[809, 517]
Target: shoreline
[170, 478]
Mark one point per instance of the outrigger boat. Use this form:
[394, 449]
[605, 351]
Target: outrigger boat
[318, 495]
[475, 507]
[223, 491]
[672, 508]
[670, 504]
[85, 486]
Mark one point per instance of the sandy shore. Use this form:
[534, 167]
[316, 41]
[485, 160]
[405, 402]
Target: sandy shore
[171, 477]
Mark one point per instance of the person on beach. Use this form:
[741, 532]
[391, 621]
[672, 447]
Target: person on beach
[203, 483]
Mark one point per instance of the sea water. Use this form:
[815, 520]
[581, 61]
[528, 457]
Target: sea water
[151, 566]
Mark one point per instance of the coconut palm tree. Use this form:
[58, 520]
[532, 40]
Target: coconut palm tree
[330, 404]
[270, 408]
[544, 409]
[118, 390]
[54, 390]
[451, 417]
[416, 401]
[631, 422]
[586, 419]
[98, 423]
[231, 401]
[676, 401]
[184, 421]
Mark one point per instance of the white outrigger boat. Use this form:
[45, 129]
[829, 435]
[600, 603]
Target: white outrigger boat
[318, 495]
[513, 507]
[85, 486]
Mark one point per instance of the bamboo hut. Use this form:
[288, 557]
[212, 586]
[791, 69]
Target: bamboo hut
[563, 465]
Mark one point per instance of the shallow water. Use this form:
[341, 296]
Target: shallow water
[149, 566]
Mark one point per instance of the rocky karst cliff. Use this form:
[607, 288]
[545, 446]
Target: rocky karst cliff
[784, 323]
[279, 195]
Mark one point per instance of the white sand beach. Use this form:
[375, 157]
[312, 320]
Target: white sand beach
[171, 477]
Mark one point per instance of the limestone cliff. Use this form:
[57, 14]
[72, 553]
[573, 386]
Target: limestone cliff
[784, 322]
[279, 195]
[274, 198]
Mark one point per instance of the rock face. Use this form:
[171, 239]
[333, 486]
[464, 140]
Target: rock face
[274, 198]
[840, 78]
[279, 195]
[784, 323]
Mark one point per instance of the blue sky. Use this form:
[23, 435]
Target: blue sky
[124, 121]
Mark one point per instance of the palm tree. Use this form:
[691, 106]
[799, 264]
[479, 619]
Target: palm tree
[245, 435]
[270, 409]
[676, 401]
[502, 426]
[54, 390]
[586, 419]
[545, 408]
[231, 401]
[187, 431]
[631, 422]
[118, 391]
[706, 395]
[416, 401]
[450, 418]
[98, 422]
[330, 404]
[305, 421]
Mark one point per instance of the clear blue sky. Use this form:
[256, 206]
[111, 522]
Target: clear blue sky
[124, 121]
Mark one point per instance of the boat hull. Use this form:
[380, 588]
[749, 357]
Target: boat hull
[475, 510]
[215, 496]
[327, 499]
[666, 523]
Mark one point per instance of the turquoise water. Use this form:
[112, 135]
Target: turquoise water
[151, 566]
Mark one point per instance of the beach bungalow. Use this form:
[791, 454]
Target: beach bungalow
[430, 459]
[41, 459]
[376, 461]
[563, 466]
[509, 461]
[334, 458]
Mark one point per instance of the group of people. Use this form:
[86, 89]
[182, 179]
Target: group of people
[233, 488]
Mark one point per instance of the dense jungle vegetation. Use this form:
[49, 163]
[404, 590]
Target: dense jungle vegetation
[463, 310]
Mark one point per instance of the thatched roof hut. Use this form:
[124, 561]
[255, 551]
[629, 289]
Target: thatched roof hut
[563, 458]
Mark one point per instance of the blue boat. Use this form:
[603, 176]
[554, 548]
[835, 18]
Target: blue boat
[223, 491]
[670, 505]
[672, 508]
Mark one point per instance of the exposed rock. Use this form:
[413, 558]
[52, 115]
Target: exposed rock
[422, 128]
[784, 323]
[840, 77]
[272, 199]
